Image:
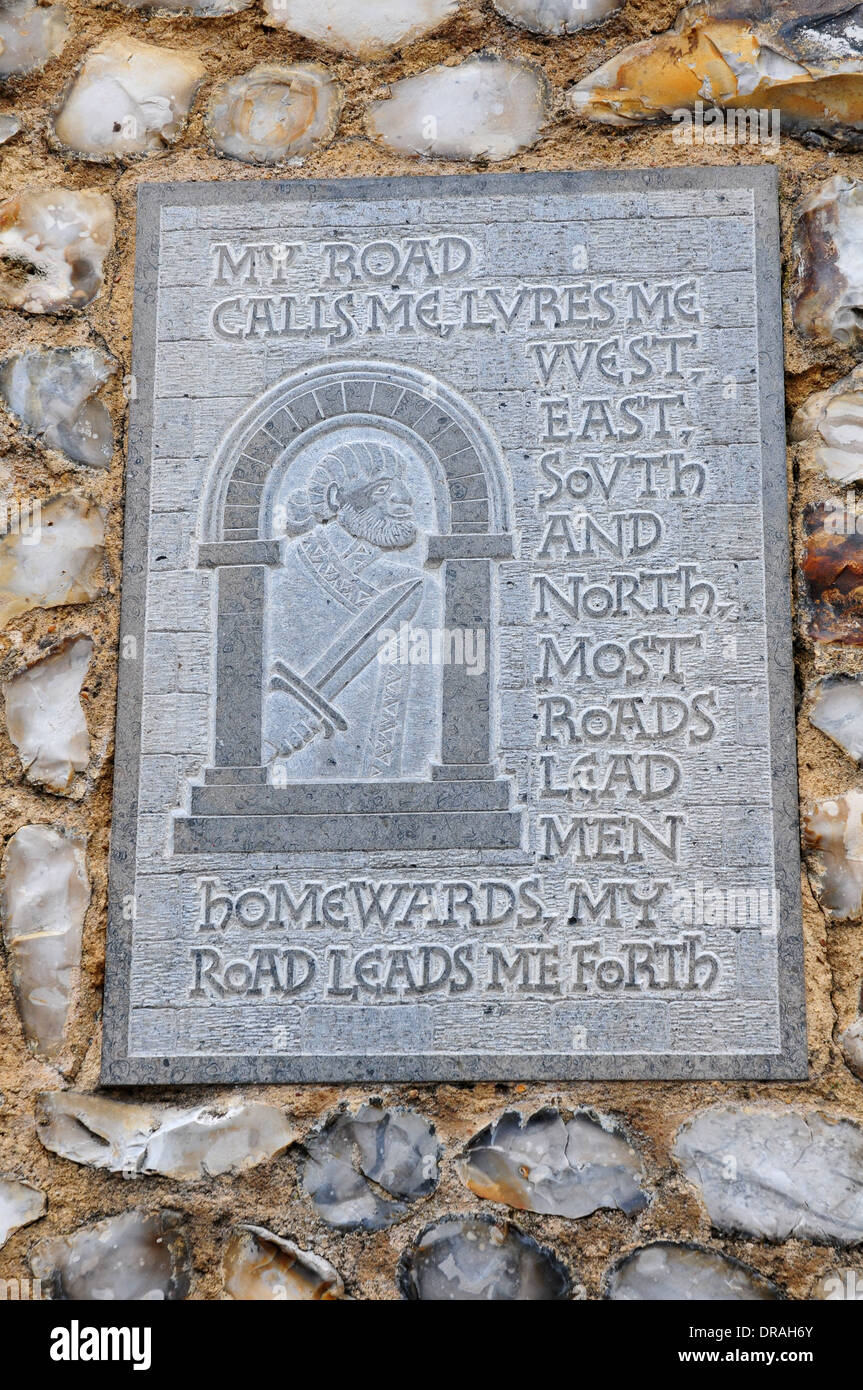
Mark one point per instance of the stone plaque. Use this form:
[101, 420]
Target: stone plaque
[455, 730]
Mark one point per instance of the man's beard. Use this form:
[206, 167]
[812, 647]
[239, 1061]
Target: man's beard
[367, 524]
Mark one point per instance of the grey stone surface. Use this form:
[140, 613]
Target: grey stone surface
[176, 1143]
[665, 1272]
[458, 739]
[134, 1257]
[548, 1163]
[363, 1170]
[474, 1259]
[776, 1174]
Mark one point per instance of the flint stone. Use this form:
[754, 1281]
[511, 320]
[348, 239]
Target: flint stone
[852, 1047]
[827, 284]
[45, 896]
[52, 392]
[368, 30]
[20, 1204]
[129, 1258]
[483, 109]
[185, 1144]
[9, 126]
[555, 1166]
[733, 58]
[273, 113]
[53, 243]
[261, 1266]
[474, 1259]
[30, 35]
[363, 1170]
[833, 573]
[685, 1273]
[837, 710]
[557, 16]
[129, 99]
[54, 560]
[828, 427]
[45, 719]
[833, 840]
[776, 1174]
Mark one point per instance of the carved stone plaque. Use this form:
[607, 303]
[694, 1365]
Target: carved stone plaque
[455, 731]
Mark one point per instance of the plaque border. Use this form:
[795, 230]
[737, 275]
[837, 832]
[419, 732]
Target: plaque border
[121, 1069]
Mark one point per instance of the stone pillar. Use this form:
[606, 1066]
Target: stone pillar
[466, 746]
[242, 600]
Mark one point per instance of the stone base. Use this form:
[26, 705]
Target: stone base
[248, 816]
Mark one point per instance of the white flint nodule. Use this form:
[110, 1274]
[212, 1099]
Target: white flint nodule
[178, 1143]
[20, 1204]
[367, 29]
[776, 1174]
[53, 243]
[52, 392]
[129, 98]
[486, 108]
[45, 719]
[272, 112]
[45, 895]
[30, 34]
[52, 557]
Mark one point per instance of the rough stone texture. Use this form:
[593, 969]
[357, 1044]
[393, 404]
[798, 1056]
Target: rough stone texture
[735, 57]
[563, 1167]
[273, 113]
[129, 99]
[827, 287]
[653, 1110]
[259, 1265]
[837, 710]
[833, 572]
[775, 1175]
[184, 1144]
[556, 16]
[363, 1170]
[474, 1259]
[45, 896]
[833, 839]
[53, 396]
[52, 246]
[482, 109]
[664, 1272]
[368, 29]
[45, 718]
[133, 1258]
[20, 1205]
[828, 427]
[54, 557]
[30, 34]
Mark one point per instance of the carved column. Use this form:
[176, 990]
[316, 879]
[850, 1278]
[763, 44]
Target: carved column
[466, 736]
[242, 600]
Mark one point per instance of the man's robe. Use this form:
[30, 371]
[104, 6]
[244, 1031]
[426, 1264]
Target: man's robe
[328, 580]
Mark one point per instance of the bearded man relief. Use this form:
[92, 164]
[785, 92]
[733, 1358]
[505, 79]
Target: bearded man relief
[352, 572]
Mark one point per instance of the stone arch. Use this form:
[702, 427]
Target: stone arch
[269, 435]
[236, 798]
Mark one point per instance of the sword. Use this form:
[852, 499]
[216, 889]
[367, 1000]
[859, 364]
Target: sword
[351, 652]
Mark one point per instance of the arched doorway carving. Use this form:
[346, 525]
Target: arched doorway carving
[237, 808]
